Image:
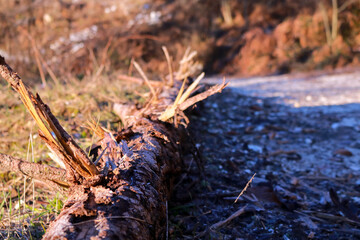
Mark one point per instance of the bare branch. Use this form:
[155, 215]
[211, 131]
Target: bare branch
[137, 66]
[169, 62]
[34, 170]
[201, 96]
[57, 138]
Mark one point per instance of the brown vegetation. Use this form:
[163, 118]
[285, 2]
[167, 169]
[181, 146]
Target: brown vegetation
[237, 37]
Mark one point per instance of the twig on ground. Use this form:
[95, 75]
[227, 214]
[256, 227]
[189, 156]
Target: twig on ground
[138, 68]
[130, 67]
[336, 218]
[41, 71]
[246, 187]
[222, 223]
[229, 219]
[169, 62]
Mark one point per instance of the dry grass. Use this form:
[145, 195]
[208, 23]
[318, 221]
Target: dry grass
[27, 205]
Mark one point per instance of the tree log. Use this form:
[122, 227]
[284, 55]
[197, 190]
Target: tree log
[130, 201]
[124, 193]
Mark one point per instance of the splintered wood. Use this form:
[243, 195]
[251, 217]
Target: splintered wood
[122, 192]
[58, 140]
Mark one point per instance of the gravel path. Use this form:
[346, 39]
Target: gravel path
[300, 90]
[300, 135]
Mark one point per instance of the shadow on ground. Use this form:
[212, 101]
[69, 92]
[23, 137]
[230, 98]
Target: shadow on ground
[306, 161]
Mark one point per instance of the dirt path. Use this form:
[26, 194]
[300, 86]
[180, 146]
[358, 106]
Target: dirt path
[301, 138]
[300, 90]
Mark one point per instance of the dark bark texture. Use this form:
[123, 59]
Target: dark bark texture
[138, 166]
[51, 175]
[123, 193]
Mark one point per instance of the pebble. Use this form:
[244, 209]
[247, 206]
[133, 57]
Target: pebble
[255, 148]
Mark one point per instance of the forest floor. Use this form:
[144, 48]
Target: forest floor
[300, 134]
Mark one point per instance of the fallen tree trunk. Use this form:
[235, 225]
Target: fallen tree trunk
[123, 193]
[130, 203]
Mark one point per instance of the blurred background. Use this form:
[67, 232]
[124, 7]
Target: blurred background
[58, 39]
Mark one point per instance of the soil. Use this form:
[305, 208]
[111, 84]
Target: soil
[302, 143]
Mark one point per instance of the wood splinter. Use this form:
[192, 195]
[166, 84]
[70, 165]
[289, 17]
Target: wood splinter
[123, 195]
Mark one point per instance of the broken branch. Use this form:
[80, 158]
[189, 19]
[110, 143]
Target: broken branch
[182, 101]
[245, 188]
[222, 223]
[201, 96]
[137, 66]
[169, 62]
[52, 132]
[229, 219]
[34, 170]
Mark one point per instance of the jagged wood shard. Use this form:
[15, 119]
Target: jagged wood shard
[124, 194]
[78, 164]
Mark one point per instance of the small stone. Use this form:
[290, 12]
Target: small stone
[297, 130]
[311, 235]
[255, 148]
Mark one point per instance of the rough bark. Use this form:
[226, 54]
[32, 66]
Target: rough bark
[124, 193]
[52, 175]
[130, 202]
[79, 167]
[139, 166]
